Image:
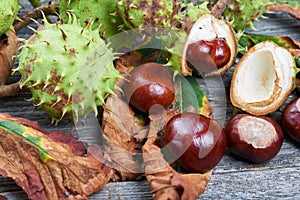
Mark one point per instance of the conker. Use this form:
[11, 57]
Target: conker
[197, 141]
[150, 86]
[290, 119]
[297, 89]
[206, 56]
[254, 138]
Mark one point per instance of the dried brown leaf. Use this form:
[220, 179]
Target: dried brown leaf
[50, 168]
[120, 133]
[166, 183]
[293, 11]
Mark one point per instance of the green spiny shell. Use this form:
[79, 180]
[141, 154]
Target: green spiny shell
[149, 13]
[193, 12]
[68, 69]
[102, 11]
[8, 13]
[243, 13]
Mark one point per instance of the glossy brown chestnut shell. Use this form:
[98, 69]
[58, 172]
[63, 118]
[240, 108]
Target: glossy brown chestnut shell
[149, 86]
[207, 56]
[197, 141]
[8, 49]
[254, 138]
[290, 119]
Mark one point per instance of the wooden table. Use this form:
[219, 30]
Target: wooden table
[231, 178]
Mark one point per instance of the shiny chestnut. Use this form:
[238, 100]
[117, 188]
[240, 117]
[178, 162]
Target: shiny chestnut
[254, 138]
[290, 119]
[197, 142]
[150, 86]
[207, 56]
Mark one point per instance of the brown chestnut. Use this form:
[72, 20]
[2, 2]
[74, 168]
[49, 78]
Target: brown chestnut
[150, 86]
[290, 119]
[297, 82]
[254, 138]
[197, 141]
[206, 56]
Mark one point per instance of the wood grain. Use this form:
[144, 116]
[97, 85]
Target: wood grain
[231, 179]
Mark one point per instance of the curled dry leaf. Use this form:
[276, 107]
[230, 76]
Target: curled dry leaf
[292, 10]
[8, 49]
[50, 166]
[127, 61]
[121, 138]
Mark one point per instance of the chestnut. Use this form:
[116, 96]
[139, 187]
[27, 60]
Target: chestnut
[290, 119]
[297, 89]
[196, 141]
[254, 138]
[205, 56]
[149, 86]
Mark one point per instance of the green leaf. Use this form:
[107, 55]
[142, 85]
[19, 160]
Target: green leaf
[248, 40]
[294, 3]
[21, 130]
[190, 94]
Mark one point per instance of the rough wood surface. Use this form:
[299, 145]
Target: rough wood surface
[231, 179]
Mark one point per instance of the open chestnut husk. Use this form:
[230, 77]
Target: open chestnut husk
[149, 86]
[254, 138]
[290, 119]
[197, 142]
[263, 79]
[210, 48]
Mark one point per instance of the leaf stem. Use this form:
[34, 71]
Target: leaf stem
[10, 90]
[219, 7]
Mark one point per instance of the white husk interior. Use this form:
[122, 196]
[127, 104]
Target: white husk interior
[256, 79]
[264, 76]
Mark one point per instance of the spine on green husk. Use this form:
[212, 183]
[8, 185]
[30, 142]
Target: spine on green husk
[103, 12]
[68, 69]
[8, 13]
[138, 14]
[243, 13]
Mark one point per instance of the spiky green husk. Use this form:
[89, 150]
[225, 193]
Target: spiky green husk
[193, 12]
[243, 13]
[68, 69]
[102, 11]
[138, 14]
[8, 13]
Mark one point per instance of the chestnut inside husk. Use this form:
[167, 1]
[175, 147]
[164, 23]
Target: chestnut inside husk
[254, 138]
[210, 48]
[206, 56]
